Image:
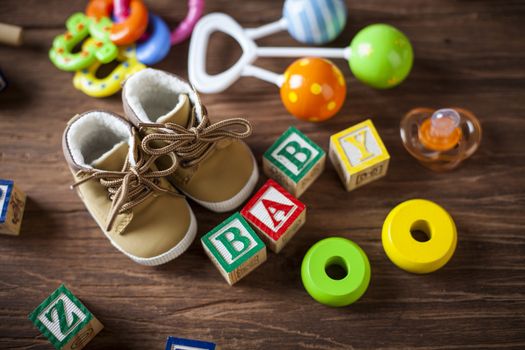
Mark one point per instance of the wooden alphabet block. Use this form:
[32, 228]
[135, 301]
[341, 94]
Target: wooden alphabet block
[294, 161]
[275, 214]
[358, 155]
[189, 344]
[65, 321]
[234, 248]
[12, 204]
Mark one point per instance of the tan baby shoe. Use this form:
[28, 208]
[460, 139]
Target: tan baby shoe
[217, 169]
[139, 211]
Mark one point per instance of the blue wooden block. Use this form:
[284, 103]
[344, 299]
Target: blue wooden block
[189, 344]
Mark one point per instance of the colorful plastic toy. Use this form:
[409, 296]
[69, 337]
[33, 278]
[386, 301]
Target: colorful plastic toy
[65, 321]
[234, 248]
[275, 214]
[413, 255]
[347, 255]
[379, 55]
[127, 31]
[185, 27]
[155, 43]
[442, 139]
[79, 27]
[86, 80]
[313, 22]
[358, 155]
[314, 89]
[294, 161]
[156, 46]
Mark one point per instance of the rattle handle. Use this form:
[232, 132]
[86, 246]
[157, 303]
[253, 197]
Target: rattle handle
[267, 29]
[304, 52]
[121, 9]
[10, 35]
[183, 30]
[263, 74]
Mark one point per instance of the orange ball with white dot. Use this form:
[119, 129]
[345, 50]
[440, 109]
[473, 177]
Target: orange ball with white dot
[314, 89]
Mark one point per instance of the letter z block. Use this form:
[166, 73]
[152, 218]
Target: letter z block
[12, 204]
[189, 344]
[234, 248]
[358, 155]
[65, 321]
[275, 214]
[294, 161]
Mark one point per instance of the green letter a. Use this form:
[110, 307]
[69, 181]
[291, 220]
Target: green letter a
[237, 237]
[292, 156]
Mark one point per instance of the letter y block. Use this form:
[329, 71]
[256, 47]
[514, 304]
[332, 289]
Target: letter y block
[358, 155]
[234, 248]
[294, 161]
[65, 321]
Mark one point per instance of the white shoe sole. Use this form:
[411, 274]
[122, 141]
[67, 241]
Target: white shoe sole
[171, 254]
[235, 201]
[165, 257]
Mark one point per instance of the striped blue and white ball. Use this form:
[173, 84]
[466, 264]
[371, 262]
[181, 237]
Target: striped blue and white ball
[315, 22]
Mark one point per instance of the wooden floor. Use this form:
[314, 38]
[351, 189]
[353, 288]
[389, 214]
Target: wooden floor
[468, 53]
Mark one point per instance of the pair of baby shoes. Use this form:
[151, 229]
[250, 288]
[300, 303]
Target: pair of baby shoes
[134, 174]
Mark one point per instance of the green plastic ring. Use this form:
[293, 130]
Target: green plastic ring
[335, 251]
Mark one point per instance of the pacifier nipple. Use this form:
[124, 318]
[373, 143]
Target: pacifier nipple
[441, 132]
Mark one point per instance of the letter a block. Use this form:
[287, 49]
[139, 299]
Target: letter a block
[294, 161]
[12, 204]
[358, 155]
[234, 248]
[275, 214]
[189, 344]
[65, 321]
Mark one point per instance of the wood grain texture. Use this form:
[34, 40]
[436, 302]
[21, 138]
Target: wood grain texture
[468, 53]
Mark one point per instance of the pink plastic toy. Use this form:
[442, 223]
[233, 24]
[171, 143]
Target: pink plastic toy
[184, 29]
[181, 32]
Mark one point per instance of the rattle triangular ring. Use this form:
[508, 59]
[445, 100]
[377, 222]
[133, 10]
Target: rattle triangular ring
[217, 22]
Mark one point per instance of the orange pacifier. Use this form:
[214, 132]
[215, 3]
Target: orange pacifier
[442, 139]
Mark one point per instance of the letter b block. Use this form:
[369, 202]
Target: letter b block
[358, 155]
[294, 161]
[65, 321]
[234, 248]
[275, 214]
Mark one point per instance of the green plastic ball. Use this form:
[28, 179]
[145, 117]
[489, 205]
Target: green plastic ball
[381, 56]
[327, 290]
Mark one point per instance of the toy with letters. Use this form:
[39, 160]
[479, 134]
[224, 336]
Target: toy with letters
[12, 205]
[275, 214]
[294, 161]
[189, 344]
[234, 248]
[358, 155]
[65, 321]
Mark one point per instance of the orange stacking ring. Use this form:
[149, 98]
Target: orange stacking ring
[127, 31]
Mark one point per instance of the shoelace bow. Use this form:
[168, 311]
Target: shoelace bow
[130, 186]
[192, 145]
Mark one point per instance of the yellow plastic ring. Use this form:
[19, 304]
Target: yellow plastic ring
[410, 254]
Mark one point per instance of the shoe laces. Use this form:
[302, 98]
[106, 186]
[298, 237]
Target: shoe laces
[130, 186]
[191, 145]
